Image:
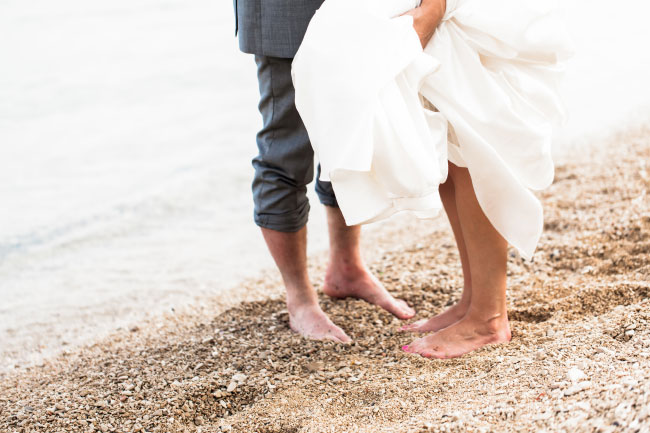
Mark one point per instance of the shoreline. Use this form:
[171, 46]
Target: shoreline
[579, 360]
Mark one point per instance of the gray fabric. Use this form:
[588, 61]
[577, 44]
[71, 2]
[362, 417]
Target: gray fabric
[273, 27]
[285, 163]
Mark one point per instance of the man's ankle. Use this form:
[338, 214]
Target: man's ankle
[297, 302]
[346, 267]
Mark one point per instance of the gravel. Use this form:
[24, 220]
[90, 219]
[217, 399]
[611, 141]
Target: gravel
[579, 360]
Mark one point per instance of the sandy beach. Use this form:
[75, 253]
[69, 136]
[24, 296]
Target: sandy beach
[127, 128]
[579, 359]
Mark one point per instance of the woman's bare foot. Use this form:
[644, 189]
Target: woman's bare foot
[310, 321]
[441, 321]
[463, 337]
[361, 284]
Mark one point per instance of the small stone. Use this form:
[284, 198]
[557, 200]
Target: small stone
[629, 381]
[606, 351]
[313, 367]
[560, 384]
[579, 387]
[550, 333]
[208, 340]
[159, 412]
[199, 421]
[232, 386]
[575, 374]
[239, 377]
[540, 355]
[630, 333]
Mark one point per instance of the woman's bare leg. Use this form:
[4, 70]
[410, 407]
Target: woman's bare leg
[456, 312]
[486, 321]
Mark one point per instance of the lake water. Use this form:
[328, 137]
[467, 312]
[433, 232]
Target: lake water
[126, 133]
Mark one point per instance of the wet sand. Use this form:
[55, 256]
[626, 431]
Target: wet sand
[579, 359]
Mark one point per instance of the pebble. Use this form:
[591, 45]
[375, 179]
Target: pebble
[606, 351]
[239, 377]
[578, 387]
[629, 381]
[232, 386]
[560, 384]
[313, 367]
[575, 374]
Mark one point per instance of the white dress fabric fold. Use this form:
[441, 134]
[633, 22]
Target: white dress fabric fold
[385, 116]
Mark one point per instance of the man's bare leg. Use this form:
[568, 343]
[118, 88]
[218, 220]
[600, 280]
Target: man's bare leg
[486, 321]
[289, 250]
[456, 312]
[347, 275]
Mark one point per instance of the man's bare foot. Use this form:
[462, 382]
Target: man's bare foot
[441, 321]
[463, 337]
[310, 321]
[361, 284]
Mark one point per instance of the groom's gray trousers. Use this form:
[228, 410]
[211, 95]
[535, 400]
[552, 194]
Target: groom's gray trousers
[273, 31]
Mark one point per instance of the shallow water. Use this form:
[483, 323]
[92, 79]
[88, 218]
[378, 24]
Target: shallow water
[126, 133]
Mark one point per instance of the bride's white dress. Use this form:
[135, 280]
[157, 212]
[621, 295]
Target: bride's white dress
[385, 116]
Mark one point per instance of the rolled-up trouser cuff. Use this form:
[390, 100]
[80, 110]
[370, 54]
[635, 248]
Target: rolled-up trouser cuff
[290, 222]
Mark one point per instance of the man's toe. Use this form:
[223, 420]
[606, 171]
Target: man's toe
[339, 336]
